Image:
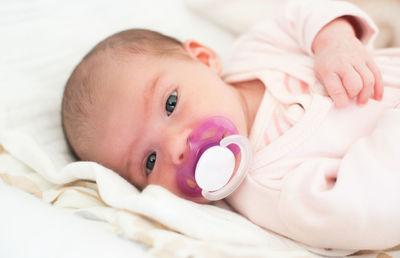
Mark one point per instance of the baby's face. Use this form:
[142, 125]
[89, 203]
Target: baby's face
[151, 106]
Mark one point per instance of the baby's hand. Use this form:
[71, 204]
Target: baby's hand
[344, 66]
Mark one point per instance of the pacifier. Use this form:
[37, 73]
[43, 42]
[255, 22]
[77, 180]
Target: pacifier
[208, 170]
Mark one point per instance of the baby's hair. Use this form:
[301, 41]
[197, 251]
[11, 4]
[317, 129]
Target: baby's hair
[80, 89]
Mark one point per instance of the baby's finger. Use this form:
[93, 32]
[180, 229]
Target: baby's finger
[368, 84]
[352, 82]
[378, 90]
[335, 89]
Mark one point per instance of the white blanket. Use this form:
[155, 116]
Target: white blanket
[154, 217]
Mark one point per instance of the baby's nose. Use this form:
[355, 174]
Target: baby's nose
[178, 147]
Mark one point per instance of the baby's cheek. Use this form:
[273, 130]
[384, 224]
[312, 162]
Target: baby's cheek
[165, 176]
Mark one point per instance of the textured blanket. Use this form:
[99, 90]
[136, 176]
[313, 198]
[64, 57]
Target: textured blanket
[168, 225]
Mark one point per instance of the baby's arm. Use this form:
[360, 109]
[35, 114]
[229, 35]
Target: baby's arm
[320, 29]
[344, 66]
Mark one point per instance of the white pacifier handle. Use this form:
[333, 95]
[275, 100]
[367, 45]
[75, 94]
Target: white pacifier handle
[227, 160]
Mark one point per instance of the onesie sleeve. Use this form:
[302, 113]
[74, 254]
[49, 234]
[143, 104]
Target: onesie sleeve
[304, 19]
[350, 202]
[285, 43]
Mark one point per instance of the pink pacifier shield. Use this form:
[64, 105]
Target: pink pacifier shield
[209, 133]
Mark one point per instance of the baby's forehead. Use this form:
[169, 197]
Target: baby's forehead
[123, 72]
[111, 75]
[105, 66]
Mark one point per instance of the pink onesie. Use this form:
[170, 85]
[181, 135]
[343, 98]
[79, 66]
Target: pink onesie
[326, 177]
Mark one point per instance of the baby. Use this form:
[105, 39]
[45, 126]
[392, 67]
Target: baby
[305, 89]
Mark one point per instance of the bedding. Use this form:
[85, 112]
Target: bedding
[42, 41]
[32, 228]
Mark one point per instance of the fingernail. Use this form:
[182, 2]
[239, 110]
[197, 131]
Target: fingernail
[362, 102]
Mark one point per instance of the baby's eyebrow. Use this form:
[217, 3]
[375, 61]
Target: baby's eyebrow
[149, 90]
[130, 167]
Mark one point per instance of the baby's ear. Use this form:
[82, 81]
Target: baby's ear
[204, 54]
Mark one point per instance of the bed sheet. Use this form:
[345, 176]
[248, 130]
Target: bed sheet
[41, 42]
[32, 228]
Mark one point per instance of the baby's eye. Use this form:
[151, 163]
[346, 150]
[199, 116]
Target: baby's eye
[171, 103]
[151, 160]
